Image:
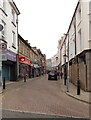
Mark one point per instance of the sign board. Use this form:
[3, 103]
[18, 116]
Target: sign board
[21, 58]
[1, 27]
[11, 56]
[3, 55]
[7, 55]
[3, 46]
[24, 60]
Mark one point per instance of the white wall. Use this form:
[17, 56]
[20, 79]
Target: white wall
[83, 41]
[83, 25]
[54, 60]
[9, 27]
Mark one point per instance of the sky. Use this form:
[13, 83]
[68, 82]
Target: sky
[43, 22]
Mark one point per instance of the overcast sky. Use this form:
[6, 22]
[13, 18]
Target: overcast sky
[43, 22]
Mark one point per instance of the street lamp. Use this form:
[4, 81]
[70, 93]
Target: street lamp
[67, 80]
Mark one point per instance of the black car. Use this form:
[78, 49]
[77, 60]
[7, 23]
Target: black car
[52, 75]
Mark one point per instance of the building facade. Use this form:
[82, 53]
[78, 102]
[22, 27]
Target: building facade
[31, 60]
[24, 58]
[48, 64]
[78, 46]
[9, 37]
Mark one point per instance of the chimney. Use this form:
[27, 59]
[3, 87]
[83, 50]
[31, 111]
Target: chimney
[34, 47]
[27, 41]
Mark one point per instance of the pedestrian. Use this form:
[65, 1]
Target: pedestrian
[61, 74]
[58, 75]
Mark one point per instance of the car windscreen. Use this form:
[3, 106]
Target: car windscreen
[52, 73]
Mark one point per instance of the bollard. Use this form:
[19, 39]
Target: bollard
[24, 78]
[78, 87]
[4, 83]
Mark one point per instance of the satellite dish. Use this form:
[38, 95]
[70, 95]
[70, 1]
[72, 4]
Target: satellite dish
[1, 27]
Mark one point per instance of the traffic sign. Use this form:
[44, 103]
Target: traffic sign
[1, 27]
[3, 46]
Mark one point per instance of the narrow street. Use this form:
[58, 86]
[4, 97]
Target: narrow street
[40, 95]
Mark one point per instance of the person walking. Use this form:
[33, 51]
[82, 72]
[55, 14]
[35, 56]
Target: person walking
[61, 74]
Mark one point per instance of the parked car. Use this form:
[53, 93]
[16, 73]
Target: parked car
[52, 75]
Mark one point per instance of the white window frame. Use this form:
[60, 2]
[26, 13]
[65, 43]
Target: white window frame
[13, 16]
[89, 30]
[89, 7]
[3, 32]
[80, 40]
[13, 39]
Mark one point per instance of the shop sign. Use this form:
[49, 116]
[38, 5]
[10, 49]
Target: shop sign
[24, 60]
[7, 55]
[11, 56]
[3, 55]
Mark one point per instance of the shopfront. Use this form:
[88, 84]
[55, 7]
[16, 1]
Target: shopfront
[24, 67]
[9, 67]
[37, 70]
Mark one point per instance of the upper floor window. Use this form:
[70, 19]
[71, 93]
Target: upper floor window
[79, 38]
[3, 4]
[4, 30]
[79, 14]
[90, 30]
[13, 39]
[89, 6]
[13, 16]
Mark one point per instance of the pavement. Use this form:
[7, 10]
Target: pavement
[84, 96]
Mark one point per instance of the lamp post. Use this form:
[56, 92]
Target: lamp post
[67, 80]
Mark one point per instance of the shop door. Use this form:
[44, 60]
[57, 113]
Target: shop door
[5, 72]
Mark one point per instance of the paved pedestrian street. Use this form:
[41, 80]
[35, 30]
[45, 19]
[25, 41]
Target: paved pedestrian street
[41, 96]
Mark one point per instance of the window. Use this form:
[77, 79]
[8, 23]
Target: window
[79, 38]
[89, 6]
[13, 16]
[3, 4]
[79, 14]
[90, 30]
[4, 30]
[13, 39]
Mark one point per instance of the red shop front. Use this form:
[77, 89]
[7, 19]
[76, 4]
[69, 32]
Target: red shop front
[24, 64]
